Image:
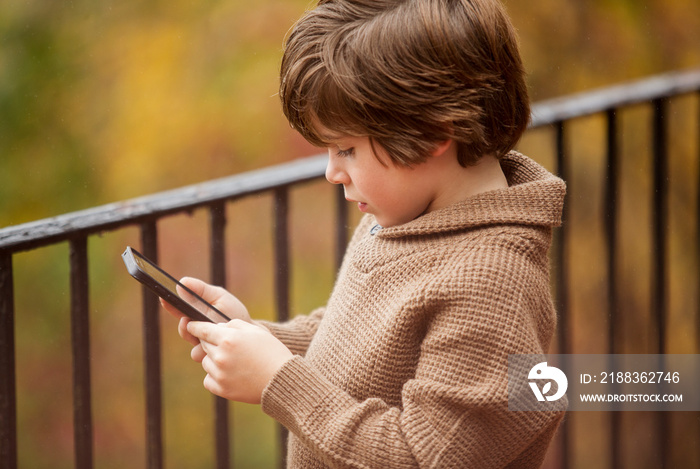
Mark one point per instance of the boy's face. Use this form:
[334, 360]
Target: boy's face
[393, 194]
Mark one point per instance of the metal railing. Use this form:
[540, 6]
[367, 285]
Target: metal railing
[213, 196]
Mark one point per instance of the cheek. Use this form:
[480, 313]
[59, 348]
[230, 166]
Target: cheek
[376, 188]
[390, 201]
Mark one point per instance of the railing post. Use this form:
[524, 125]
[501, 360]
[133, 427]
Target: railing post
[152, 365]
[281, 214]
[610, 210]
[561, 244]
[659, 251]
[282, 253]
[697, 244]
[218, 277]
[561, 241]
[615, 321]
[8, 384]
[659, 221]
[697, 240]
[80, 331]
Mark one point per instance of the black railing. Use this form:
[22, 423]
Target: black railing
[214, 196]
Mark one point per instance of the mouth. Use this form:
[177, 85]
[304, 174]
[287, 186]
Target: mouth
[362, 206]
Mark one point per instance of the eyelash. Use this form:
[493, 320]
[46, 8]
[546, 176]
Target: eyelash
[345, 153]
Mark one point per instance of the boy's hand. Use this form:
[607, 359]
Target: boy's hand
[239, 358]
[216, 296]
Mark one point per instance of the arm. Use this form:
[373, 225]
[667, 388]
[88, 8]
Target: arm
[297, 333]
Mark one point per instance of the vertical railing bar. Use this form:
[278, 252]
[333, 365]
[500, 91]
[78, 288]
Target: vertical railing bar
[281, 211]
[281, 214]
[659, 221]
[561, 245]
[218, 277]
[80, 344]
[697, 241]
[562, 280]
[152, 356]
[659, 250]
[611, 227]
[341, 225]
[8, 383]
[611, 188]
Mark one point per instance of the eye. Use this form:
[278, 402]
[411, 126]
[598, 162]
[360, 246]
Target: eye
[345, 153]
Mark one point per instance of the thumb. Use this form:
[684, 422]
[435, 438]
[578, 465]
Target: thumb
[196, 285]
[218, 297]
[209, 293]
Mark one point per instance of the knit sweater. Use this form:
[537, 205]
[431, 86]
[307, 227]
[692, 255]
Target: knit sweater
[406, 366]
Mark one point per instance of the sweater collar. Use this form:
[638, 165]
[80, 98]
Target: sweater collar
[534, 197]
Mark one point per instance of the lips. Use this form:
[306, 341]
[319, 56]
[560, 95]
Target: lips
[362, 206]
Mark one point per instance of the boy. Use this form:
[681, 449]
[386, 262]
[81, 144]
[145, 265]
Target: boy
[419, 103]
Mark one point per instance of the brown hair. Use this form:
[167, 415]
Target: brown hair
[408, 74]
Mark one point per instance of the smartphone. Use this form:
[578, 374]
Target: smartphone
[165, 286]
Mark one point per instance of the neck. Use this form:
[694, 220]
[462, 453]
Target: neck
[459, 183]
[486, 175]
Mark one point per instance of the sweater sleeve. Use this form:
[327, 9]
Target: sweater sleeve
[454, 412]
[297, 333]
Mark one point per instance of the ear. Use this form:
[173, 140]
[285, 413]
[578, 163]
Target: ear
[442, 147]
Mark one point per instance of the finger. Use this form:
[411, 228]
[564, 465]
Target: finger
[198, 354]
[210, 293]
[211, 369]
[211, 385]
[209, 379]
[208, 348]
[218, 297]
[194, 300]
[205, 331]
[184, 333]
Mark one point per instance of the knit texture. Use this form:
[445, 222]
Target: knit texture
[406, 366]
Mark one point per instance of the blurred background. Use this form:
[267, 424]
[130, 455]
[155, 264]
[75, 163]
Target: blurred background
[105, 101]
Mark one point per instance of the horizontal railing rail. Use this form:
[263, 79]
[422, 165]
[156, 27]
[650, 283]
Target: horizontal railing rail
[145, 212]
[109, 217]
[627, 94]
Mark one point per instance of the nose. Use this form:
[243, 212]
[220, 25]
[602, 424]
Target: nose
[334, 172]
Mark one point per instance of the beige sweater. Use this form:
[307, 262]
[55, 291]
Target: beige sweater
[406, 365]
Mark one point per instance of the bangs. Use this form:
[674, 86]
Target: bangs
[320, 105]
